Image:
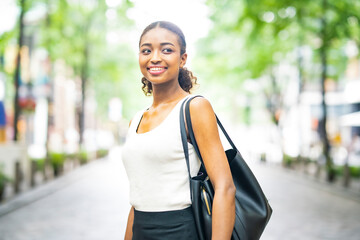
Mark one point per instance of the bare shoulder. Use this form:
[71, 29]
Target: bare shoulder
[201, 108]
[203, 121]
[202, 116]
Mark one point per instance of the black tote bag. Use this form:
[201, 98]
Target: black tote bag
[252, 210]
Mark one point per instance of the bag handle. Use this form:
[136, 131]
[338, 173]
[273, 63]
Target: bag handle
[191, 133]
[184, 137]
[185, 144]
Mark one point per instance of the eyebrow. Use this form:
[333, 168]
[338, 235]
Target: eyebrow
[161, 44]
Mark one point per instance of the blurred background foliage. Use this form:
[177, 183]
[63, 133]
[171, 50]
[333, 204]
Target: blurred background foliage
[75, 32]
[247, 40]
[251, 39]
[256, 53]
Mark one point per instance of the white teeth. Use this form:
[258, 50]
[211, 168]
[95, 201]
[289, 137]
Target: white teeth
[156, 69]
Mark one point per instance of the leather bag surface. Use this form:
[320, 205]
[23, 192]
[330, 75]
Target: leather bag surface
[252, 210]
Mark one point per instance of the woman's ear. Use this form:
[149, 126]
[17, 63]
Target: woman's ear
[183, 60]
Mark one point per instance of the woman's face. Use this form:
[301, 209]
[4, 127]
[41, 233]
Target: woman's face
[160, 57]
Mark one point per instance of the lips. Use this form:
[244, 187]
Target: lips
[156, 70]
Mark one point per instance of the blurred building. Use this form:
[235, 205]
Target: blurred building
[343, 114]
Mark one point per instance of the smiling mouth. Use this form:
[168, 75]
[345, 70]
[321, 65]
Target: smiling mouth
[156, 70]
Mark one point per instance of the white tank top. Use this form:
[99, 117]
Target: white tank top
[156, 166]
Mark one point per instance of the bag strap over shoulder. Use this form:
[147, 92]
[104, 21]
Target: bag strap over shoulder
[190, 129]
[184, 137]
[191, 132]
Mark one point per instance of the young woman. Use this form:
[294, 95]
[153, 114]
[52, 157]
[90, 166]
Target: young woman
[153, 154]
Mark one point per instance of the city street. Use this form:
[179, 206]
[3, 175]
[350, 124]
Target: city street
[91, 203]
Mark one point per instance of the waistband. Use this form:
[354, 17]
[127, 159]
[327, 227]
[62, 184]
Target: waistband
[167, 217]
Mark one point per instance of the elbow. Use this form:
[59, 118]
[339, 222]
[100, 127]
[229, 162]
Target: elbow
[227, 190]
[231, 190]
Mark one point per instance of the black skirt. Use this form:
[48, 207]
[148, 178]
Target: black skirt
[177, 225]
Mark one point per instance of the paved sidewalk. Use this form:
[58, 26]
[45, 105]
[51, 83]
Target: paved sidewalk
[91, 203]
[307, 209]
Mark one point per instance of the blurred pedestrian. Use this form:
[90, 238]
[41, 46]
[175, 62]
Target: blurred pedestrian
[153, 153]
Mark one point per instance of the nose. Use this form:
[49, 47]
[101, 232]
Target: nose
[155, 58]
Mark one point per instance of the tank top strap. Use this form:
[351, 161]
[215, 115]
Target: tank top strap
[136, 120]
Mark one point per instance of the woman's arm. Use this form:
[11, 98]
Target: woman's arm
[129, 233]
[207, 137]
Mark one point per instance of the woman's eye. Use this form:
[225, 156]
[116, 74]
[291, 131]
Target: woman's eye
[167, 50]
[145, 51]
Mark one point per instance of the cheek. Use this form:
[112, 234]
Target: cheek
[173, 61]
[143, 70]
[141, 61]
[142, 65]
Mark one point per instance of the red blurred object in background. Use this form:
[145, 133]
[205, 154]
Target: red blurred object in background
[27, 104]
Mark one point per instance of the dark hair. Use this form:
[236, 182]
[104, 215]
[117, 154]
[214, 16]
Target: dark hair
[186, 77]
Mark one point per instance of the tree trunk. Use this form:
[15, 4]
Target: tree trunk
[300, 64]
[322, 124]
[84, 76]
[50, 96]
[17, 75]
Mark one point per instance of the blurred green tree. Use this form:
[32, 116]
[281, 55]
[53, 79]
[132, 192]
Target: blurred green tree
[24, 7]
[77, 33]
[249, 40]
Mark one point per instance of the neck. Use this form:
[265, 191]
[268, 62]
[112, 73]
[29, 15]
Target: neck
[167, 94]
